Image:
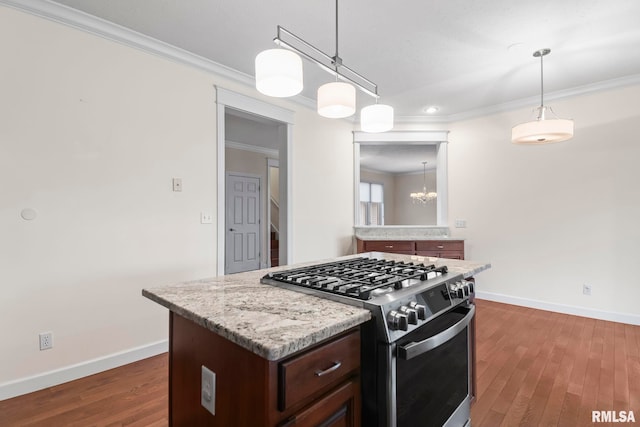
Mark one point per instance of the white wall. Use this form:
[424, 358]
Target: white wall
[322, 187]
[92, 133]
[552, 218]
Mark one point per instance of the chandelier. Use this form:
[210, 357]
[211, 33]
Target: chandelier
[542, 130]
[279, 74]
[423, 196]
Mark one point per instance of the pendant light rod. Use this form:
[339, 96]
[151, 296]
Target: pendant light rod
[541, 53]
[336, 59]
[312, 53]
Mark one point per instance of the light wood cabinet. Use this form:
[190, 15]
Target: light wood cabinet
[452, 249]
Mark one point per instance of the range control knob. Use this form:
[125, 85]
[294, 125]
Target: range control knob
[465, 288]
[398, 321]
[456, 290]
[412, 315]
[469, 284]
[421, 309]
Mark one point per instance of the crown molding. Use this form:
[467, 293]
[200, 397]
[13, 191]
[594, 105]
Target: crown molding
[531, 101]
[108, 30]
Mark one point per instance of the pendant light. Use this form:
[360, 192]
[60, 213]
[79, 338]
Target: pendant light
[278, 73]
[376, 118]
[542, 130]
[423, 196]
[336, 100]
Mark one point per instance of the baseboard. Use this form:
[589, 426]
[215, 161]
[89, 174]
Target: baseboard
[632, 319]
[69, 373]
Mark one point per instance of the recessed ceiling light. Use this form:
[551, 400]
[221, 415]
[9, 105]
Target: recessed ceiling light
[431, 110]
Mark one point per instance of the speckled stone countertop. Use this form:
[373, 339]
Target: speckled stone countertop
[273, 322]
[402, 232]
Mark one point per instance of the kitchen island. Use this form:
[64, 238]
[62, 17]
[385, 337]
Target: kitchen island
[260, 341]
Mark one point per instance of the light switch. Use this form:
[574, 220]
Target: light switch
[206, 218]
[461, 223]
[177, 184]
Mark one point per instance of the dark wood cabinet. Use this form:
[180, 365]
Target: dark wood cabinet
[452, 249]
[339, 408]
[317, 386]
[393, 246]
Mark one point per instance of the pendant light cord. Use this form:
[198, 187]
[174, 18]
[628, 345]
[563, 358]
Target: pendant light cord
[541, 83]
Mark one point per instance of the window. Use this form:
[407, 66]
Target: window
[371, 204]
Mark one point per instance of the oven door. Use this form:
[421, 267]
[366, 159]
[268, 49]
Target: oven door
[433, 372]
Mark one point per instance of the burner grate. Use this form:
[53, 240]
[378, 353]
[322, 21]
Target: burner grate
[360, 278]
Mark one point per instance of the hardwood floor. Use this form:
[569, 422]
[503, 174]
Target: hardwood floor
[535, 368]
[539, 368]
[132, 395]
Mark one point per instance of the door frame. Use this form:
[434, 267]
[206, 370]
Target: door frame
[275, 163]
[227, 98]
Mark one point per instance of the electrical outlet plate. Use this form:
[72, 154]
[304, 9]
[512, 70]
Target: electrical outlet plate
[208, 390]
[586, 289]
[46, 340]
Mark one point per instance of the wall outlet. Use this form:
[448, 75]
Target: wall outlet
[208, 390]
[46, 340]
[586, 289]
[461, 223]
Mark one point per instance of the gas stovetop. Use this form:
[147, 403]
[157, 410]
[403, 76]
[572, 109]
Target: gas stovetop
[400, 295]
[359, 278]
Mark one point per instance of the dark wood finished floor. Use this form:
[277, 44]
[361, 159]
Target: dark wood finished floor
[535, 368]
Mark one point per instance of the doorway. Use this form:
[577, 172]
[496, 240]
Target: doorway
[254, 137]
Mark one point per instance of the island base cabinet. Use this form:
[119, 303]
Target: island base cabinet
[249, 388]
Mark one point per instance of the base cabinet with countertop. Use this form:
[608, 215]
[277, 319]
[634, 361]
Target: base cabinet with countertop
[278, 357]
[451, 249]
[317, 386]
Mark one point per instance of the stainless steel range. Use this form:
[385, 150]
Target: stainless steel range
[416, 353]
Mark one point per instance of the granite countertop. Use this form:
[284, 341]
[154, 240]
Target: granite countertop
[403, 232]
[273, 322]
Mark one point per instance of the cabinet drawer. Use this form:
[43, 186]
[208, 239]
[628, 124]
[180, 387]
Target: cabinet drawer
[341, 407]
[440, 245]
[442, 254]
[310, 372]
[389, 246]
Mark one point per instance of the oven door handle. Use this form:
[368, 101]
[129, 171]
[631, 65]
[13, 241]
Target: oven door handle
[413, 349]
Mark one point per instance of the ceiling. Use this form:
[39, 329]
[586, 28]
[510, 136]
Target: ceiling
[462, 56]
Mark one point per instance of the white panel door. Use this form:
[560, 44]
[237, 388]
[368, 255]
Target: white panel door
[242, 241]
